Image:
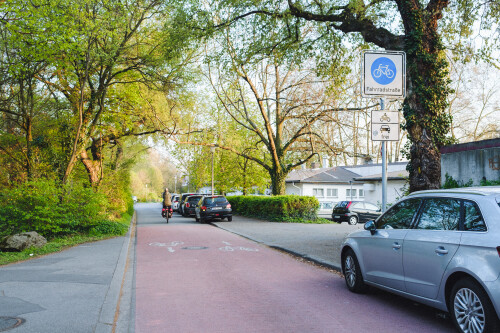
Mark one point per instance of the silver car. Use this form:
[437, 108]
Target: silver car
[440, 248]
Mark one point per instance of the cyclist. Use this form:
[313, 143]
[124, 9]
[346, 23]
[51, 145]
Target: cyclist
[167, 203]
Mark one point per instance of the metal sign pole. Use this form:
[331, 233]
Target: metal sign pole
[384, 165]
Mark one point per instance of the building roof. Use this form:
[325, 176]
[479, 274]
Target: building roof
[323, 175]
[393, 175]
[484, 144]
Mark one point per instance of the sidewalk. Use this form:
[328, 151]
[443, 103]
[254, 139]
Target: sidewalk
[319, 243]
[76, 290]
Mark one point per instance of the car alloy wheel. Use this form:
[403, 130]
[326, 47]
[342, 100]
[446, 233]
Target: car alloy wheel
[353, 220]
[469, 311]
[471, 308]
[352, 273]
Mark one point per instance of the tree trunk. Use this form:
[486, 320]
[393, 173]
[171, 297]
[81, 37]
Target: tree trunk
[427, 121]
[278, 182]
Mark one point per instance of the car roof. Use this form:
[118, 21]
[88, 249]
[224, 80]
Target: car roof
[473, 191]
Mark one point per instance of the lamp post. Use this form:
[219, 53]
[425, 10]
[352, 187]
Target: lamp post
[212, 149]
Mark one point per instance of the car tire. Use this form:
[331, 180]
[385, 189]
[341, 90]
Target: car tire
[352, 273]
[229, 218]
[465, 295]
[353, 220]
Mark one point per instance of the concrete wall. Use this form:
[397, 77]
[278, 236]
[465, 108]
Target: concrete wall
[474, 160]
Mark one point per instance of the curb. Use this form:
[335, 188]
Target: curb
[111, 305]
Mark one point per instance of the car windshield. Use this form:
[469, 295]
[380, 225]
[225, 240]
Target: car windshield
[214, 201]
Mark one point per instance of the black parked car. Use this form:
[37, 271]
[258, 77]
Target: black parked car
[182, 201]
[190, 204]
[353, 212]
[213, 207]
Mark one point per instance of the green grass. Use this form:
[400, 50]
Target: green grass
[319, 220]
[61, 243]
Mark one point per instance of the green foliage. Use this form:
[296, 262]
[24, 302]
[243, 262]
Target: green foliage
[485, 182]
[50, 209]
[450, 182]
[281, 208]
[110, 228]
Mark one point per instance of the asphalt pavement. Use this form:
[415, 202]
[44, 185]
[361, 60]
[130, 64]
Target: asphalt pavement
[319, 243]
[87, 288]
[90, 288]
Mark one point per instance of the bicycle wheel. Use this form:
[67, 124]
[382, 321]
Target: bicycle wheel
[167, 216]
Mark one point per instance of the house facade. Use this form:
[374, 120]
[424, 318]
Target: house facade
[361, 183]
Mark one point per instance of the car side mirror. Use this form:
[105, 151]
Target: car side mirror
[371, 227]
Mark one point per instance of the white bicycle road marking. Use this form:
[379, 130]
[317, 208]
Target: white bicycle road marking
[175, 243]
[240, 248]
[228, 248]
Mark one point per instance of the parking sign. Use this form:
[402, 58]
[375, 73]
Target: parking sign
[383, 74]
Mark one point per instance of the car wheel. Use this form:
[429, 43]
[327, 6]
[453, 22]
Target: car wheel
[471, 309]
[353, 220]
[229, 218]
[352, 273]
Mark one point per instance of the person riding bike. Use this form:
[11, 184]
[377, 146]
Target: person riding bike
[167, 203]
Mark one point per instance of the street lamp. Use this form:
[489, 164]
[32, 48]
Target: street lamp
[212, 149]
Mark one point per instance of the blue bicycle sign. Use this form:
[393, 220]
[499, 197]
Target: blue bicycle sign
[383, 70]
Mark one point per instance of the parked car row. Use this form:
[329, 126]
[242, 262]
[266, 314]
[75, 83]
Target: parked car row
[204, 207]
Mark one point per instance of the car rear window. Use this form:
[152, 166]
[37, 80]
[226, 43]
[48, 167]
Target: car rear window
[216, 200]
[193, 199]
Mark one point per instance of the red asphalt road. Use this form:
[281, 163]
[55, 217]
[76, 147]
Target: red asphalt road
[235, 285]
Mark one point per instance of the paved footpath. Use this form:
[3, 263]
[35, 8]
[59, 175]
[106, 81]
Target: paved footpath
[84, 289]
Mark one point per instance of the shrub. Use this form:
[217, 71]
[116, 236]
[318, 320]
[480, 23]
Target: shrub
[49, 208]
[291, 208]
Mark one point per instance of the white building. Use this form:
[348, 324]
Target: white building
[363, 183]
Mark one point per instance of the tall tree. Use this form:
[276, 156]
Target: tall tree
[99, 53]
[406, 25]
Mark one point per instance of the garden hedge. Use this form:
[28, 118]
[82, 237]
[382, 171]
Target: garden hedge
[281, 208]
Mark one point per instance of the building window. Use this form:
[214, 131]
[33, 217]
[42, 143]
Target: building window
[348, 193]
[318, 192]
[361, 193]
[332, 193]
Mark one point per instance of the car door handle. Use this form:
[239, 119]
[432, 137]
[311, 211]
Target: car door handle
[396, 246]
[441, 250]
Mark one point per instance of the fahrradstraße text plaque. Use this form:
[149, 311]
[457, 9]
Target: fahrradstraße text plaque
[383, 74]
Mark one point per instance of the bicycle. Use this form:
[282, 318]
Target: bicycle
[167, 213]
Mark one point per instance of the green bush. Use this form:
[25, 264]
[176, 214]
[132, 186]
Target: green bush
[289, 208]
[50, 209]
[108, 228]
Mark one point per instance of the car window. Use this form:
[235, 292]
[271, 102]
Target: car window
[216, 200]
[473, 221]
[400, 215]
[440, 214]
[193, 199]
[357, 205]
[342, 204]
[370, 206]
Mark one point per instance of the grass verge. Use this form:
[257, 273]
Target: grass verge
[118, 228]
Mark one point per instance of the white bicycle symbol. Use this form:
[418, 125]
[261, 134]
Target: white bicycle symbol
[383, 70]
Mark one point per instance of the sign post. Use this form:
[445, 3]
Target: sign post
[383, 74]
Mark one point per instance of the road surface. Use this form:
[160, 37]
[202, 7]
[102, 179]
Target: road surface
[193, 277]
